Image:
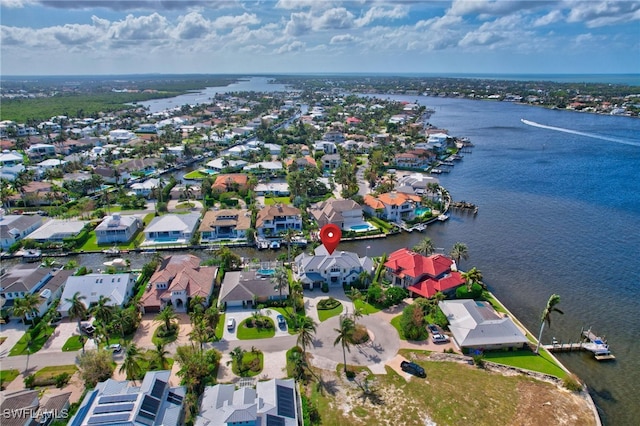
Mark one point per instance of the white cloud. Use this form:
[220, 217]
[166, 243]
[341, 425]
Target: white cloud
[299, 24]
[491, 7]
[295, 46]
[225, 22]
[342, 39]
[335, 19]
[603, 13]
[440, 22]
[15, 4]
[132, 29]
[378, 12]
[550, 18]
[192, 26]
[481, 38]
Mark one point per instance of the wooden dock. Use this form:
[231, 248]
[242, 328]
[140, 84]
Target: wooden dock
[591, 342]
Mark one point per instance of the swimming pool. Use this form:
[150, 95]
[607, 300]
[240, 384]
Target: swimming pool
[422, 210]
[362, 227]
[265, 271]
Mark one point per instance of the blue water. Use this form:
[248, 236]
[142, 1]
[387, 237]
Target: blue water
[360, 227]
[266, 271]
[559, 212]
[422, 210]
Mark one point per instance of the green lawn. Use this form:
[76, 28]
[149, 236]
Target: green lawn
[247, 359]
[196, 175]
[287, 313]
[72, 344]
[325, 314]
[92, 243]
[171, 337]
[269, 201]
[7, 376]
[39, 336]
[250, 333]
[365, 307]
[50, 372]
[526, 359]
[395, 322]
[220, 327]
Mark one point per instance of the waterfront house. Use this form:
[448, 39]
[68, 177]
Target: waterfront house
[117, 287]
[56, 230]
[392, 206]
[223, 164]
[416, 183]
[10, 158]
[112, 175]
[153, 402]
[272, 402]
[171, 228]
[242, 288]
[264, 167]
[275, 189]
[330, 161]
[477, 326]
[176, 281]
[342, 213]
[226, 224]
[117, 229]
[232, 182]
[326, 147]
[277, 219]
[15, 227]
[144, 189]
[335, 269]
[300, 163]
[40, 150]
[422, 275]
[33, 194]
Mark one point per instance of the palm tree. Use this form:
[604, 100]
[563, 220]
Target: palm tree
[365, 278]
[471, 277]
[102, 311]
[131, 364]
[296, 291]
[425, 247]
[212, 318]
[26, 306]
[160, 356]
[121, 320]
[237, 354]
[554, 299]
[78, 310]
[199, 333]
[197, 305]
[167, 315]
[280, 279]
[347, 327]
[306, 332]
[72, 264]
[48, 262]
[459, 251]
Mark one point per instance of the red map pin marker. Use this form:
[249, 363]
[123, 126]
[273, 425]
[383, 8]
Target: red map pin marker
[330, 236]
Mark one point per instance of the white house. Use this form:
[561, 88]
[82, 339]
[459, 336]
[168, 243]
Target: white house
[10, 158]
[145, 188]
[392, 206]
[15, 227]
[325, 146]
[117, 287]
[121, 136]
[277, 189]
[171, 229]
[41, 150]
[117, 229]
[57, 230]
[264, 166]
[226, 224]
[336, 269]
[220, 164]
[51, 163]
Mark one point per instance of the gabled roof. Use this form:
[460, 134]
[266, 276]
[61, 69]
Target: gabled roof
[244, 285]
[271, 212]
[20, 222]
[239, 219]
[428, 287]
[173, 222]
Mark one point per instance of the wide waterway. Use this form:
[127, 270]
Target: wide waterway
[559, 213]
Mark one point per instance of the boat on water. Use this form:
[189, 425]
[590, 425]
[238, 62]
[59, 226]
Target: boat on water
[443, 217]
[274, 245]
[31, 255]
[112, 252]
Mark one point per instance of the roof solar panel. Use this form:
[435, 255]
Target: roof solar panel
[110, 418]
[113, 408]
[108, 399]
[150, 404]
[274, 420]
[158, 389]
[285, 401]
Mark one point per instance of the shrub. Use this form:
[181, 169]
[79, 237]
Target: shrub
[395, 295]
[463, 293]
[360, 335]
[29, 381]
[328, 304]
[572, 383]
[62, 379]
[478, 360]
[350, 374]
[325, 288]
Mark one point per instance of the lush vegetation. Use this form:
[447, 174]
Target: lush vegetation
[256, 327]
[73, 343]
[325, 314]
[525, 358]
[33, 340]
[7, 376]
[247, 363]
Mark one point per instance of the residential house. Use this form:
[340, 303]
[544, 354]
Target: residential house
[171, 228]
[392, 206]
[10, 158]
[115, 402]
[176, 281]
[477, 326]
[117, 287]
[275, 189]
[226, 224]
[230, 183]
[416, 183]
[414, 159]
[39, 150]
[24, 408]
[272, 402]
[342, 213]
[243, 288]
[300, 163]
[278, 218]
[32, 279]
[178, 192]
[325, 146]
[422, 275]
[335, 269]
[121, 136]
[50, 163]
[223, 164]
[144, 165]
[117, 229]
[438, 141]
[112, 175]
[330, 161]
[33, 194]
[264, 167]
[337, 136]
[144, 189]
[56, 230]
[14, 227]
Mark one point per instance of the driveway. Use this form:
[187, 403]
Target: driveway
[63, 331]
[12, 331]
[241, 314]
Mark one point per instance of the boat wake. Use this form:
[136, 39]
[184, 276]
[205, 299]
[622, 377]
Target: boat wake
[576, 132]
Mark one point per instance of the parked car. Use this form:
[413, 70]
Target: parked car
[281, 321]
[413, 368]
[88, 328]
[231, 323]
[433, 329]
[115, 348]
[439, 338]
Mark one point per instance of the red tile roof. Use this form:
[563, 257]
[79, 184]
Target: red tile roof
[415, 265]
[429, 286]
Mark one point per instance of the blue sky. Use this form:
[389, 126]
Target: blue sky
[47, 37]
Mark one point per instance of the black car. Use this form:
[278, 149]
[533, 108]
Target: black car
[433, 329]
[413, 368]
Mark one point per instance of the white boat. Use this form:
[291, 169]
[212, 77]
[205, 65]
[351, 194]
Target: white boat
[274, 245]
[31, 255]
[598, 347]
[113, 251]
[443, 217]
